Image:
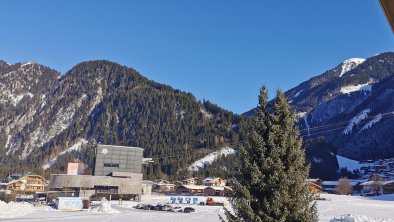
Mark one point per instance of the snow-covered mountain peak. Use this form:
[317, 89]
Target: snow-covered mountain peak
[350, 64]
[28, 63]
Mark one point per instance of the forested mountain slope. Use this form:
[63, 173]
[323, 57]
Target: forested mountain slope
[104, 102]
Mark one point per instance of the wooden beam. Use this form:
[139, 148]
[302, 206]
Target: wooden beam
[388, 9]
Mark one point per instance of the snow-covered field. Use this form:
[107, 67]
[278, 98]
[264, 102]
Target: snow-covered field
[344, 208]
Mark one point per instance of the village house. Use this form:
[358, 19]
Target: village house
[190, 181]
[163, 186]
[314, 187]
[214, 181]
[27, 184]
[388, 187]
[214, 191]
[330, 186]
[195, 189]
[371, 188]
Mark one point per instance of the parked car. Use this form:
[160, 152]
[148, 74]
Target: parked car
[149, 207]
[176, 209]
[139, 206]
[166, 208]
[188, 210]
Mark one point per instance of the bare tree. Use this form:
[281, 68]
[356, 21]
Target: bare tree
[377, 183]
[343, 187]
[85, 184]
[122, 190]
[67, 180]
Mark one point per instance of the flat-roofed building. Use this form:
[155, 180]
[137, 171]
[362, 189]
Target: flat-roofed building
[111, 159]
[117, 173]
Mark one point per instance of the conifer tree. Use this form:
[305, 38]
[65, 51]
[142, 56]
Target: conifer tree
[271, 185]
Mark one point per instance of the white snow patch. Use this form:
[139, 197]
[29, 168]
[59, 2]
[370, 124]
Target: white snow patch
[208, 159]
[351, 165]
[370, 209]
[27, 63]
[15, 99]
[376, 119]
[103, 206]
[350, 64]
[301, 115]
[317, 160]
[76, 147]
[298, 93]
[61, 122]
[97, 99]
[356, 120]
[206, 113]
[18, 209]
[354, 218]
[367, 87]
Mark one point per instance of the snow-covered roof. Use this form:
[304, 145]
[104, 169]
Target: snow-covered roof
[216, 188]
[388, 182]
[195, 187]
[334, 183]
[329, 183]
[313, 180]
[368, 183]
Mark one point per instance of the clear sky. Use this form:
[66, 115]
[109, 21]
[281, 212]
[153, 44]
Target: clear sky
[220, 50]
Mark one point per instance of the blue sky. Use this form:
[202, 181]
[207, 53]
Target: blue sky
[220, 50]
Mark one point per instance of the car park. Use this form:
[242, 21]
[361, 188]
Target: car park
[189, 210]
[149, 207]
[139, 206]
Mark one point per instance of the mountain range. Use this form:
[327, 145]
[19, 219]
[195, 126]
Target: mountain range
[47, 119]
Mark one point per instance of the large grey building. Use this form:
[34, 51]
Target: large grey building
[111, 159]
[117, 172]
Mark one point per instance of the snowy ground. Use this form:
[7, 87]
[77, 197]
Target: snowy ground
[361, 209]
[377, 209]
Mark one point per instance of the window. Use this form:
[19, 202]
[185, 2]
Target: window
[111, 165]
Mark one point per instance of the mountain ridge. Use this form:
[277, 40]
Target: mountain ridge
[104, 102]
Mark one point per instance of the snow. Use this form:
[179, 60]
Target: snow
[353, 218]
[205, 113]
[356, 120]
[376, 119]
[13, 209]
[27, 63]
[317, 160]
[301, 114]
[103, 206]
[15, 99]
[351, 165]
[350, 207]
[298, 93]
[334, 208]
[367, 87]
[62, 121]
[208, 159]
[75, 147]
[350, 64]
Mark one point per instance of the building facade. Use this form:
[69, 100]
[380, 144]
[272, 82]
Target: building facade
[111, 159]
[26, 184]
[117, 173]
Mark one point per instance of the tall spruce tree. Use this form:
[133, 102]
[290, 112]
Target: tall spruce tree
[271, 185]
